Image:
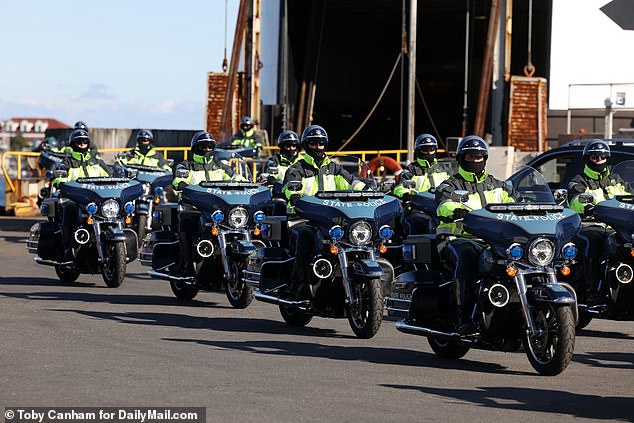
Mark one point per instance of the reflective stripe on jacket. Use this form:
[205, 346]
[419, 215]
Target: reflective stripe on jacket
[153, 158]
[602, 187]
[203, 168]
[425, 176]
[246, 139]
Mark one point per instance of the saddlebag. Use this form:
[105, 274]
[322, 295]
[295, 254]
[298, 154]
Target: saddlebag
[420, 249]
[165, 215]
[269, 268]
[49, 246]
[431, 300]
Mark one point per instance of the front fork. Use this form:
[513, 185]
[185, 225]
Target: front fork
[97, 229]
[222, 243]
[520, 282]
[343, 264]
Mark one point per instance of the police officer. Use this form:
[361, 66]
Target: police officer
[202, 167]
[79, 164]
[315, 172]
[426, 175]
[457, 249]
[246, 135]
[288, 143]
[144, 152]
[597, 181]
[68, 149]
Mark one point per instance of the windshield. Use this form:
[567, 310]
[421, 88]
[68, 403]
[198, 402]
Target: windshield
[529, 186]
[243, 169]
[625, 170]
[357, 168]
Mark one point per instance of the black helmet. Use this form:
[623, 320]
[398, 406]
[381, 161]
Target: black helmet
[200, 139]
[145, 134]
[596, 148]
[52, 143]
[472, 144]
[246, 123]
[76, 136]
[317, 135]
[81, 125]
[423, 145]
[285, 140]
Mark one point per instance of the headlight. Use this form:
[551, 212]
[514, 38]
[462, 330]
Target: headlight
[569, 251]
[159, 191]
[515, 251]
[147, 189]
[259, 216]
[110, 208]
[386, 232]
[129, 207]
[360, 233]
[336, 232]
[91, 208]
[238, 217]
[217, 216]
[541, 252]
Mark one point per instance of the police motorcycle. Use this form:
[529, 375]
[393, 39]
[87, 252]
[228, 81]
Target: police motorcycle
[101, 243]
[231, 216]
[154, 181]
[346, 273]
[520, 304]
[615, 287]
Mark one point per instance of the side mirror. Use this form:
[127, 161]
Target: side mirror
[586, 198]
[182, 173]
[460, 196]
[560, 195]
[272, 170]
[409, 184]
[264, 177]
[294, 186]
[170, 162]
[387, 185]
[60, 173]
[131, 173]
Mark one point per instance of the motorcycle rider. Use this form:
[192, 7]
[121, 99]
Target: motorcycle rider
[457, 249]
[144, 152]
[68, 149]
[80, 163]
[315, 172]
[202, 167]
[596, 180]
[288, 143]
[246, 135]
[426, 174]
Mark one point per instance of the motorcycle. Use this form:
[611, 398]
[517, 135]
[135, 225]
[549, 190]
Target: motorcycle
[520, 304]
[616, 293]
[346, 273]
[101, 243]
[231, 216]
[154, 180]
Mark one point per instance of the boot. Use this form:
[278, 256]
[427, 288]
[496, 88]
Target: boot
[298, 285]
[184, 266]
[463, 316]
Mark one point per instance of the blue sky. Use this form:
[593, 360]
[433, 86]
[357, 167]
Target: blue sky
[114, 63]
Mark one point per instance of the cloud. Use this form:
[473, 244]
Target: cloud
[166, 106]
[96, 91]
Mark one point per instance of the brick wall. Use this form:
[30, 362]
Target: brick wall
[216, 89]
[528, 107]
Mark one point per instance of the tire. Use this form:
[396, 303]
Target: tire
[238, 293]
[141, 229]
[183, 291]
[365, 313]
[551, 350]
[447, 349]
[584, 320]
[113, 271]
[294, 316]
[67, 274]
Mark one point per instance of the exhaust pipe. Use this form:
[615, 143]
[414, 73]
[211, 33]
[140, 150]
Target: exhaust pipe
[624, 273]
[322, 268]
[82, 236]
[205, 248]
[171, 278]
[499, 295]
[301, 305]
[420, 331]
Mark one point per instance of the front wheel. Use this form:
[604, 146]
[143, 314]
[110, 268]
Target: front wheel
[238, 293]
[66, 274]
[447, 349]
[365, 312]
[113, 269]
[183, 291]
[550, 349]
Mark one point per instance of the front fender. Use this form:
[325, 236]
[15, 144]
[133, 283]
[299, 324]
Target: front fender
[241, 248]
[367, 268]
[551, 293]
[113, 234]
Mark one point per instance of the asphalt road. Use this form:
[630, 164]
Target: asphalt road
[83, 344]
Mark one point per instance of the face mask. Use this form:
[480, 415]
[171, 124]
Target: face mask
[144, 148]
[601, 168]
[423, 155]
[80, 150]
[289, 154]
[474, 167]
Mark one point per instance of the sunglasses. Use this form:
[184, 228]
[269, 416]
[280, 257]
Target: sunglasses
[289, 147]
[206, 146]
[317, 143]
[597, 157]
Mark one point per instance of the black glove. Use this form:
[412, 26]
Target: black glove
[587, 209]
[181, 185]
[294, 199]
[460, 213]
[408, 196]
[271, 180]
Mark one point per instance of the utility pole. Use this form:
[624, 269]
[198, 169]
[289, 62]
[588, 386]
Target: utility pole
[411, 98]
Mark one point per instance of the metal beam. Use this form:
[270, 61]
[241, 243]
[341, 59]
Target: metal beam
[411, 88]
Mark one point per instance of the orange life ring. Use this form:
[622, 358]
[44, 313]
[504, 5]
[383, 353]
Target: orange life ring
[385, 161]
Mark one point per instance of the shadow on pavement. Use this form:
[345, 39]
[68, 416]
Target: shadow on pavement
[540, 400]
[602, 334]
[378, 355]
[608, 360]
[52, 282]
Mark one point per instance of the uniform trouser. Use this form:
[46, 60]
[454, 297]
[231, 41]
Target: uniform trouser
[70, 222]
[462, 255]
[591, 243]
[304, 241]
[188, 227]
